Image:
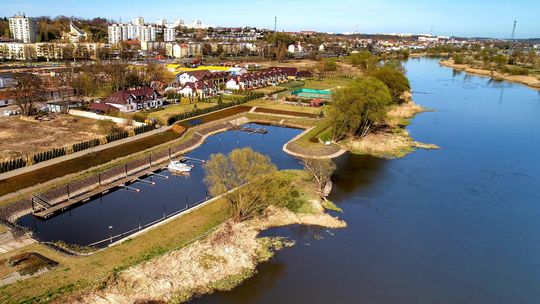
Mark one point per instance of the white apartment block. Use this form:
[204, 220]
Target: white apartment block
[49, 51]
[115, 33]
[24, 29]
[169, 34]
[147, 33]
[138, 21]
[123, 32]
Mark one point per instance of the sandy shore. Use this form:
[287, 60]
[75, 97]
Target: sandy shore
[531, 81]
[392, 140]
[220, 261]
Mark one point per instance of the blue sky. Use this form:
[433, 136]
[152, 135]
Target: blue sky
[485, 18]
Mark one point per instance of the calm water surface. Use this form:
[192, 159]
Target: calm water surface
[124, 209]
[456, 225]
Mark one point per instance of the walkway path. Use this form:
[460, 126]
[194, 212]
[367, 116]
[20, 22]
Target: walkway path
[15, 244]
[330, 156]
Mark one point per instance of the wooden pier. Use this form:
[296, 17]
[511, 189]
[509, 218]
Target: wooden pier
[251, 130]
[48, 210]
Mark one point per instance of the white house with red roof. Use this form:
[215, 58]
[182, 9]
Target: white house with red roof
[130, 100]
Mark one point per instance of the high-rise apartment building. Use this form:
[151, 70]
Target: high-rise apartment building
[24, 29]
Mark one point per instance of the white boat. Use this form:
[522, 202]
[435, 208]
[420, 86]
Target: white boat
[178, 166]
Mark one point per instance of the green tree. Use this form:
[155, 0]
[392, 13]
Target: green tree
[364, 60]
[248, 181]
[358, 107]
[394, 79]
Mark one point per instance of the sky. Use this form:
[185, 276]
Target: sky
[472, 18]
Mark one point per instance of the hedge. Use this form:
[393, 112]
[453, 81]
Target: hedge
[12, 164]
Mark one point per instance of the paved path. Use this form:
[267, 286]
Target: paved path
[286, 150]
[60, 159]
[15, 244]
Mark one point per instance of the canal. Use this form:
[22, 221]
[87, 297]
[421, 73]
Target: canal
[456, 225]
[124, 210]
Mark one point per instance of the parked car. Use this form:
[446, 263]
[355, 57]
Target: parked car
[12, 113]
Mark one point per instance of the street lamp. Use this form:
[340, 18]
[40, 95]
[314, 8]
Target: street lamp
[110, 233]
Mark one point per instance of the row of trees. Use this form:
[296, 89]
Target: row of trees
[358, 107]
[49, 154]
[12, 164]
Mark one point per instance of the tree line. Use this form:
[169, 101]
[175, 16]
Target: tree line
[357, 108]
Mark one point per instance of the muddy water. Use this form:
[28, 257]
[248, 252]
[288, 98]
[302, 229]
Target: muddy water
[456, 225]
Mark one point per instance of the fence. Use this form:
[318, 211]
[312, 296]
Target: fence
[102, 117]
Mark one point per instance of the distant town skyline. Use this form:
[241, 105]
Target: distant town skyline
[480, 18]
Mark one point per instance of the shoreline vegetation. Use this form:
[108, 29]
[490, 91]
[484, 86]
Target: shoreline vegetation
[391, 139]
[219, 262]
[528, 80]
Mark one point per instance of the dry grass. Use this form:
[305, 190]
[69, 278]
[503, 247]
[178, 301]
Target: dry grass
[530, 80]
[84, 273]
[219, 262]
[390, 140]
[21, 136]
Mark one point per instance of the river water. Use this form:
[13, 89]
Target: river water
[455, 225]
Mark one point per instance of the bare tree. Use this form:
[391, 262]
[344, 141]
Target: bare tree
[321, 170]
[28, 91]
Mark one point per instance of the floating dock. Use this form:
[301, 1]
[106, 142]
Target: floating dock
[251, 130]
[47, 210]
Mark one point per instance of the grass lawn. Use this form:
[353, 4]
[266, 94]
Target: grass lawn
[327, 83]
[176, 109]
[80, 273]
[270, 104]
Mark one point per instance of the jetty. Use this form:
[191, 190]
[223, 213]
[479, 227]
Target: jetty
[44, 209]
[250, 130]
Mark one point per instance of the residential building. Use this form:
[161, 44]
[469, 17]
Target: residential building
[256, 80]
[130, 100]
[116, 33]
[24, 29]
[138, 21]
[132, 31]
[169, 34]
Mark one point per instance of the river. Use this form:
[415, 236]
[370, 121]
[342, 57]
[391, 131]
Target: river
[455, 225]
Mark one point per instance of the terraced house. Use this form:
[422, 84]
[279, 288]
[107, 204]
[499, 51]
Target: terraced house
[256, 80]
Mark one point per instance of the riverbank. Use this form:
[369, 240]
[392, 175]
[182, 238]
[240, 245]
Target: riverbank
[529, 80]
[390, 139]
[217, 263]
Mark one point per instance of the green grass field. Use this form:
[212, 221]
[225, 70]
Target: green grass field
[176, 109]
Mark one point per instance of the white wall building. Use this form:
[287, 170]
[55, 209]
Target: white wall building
[24, 29]
[131, 31]
[169, 34]
[116, 33]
